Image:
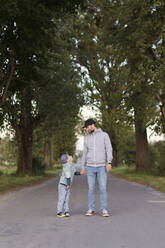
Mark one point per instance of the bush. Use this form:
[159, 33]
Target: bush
[38, 167]
[127, 148]
[157, 157]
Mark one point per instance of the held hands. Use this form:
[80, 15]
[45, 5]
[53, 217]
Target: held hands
[108, 167]
[82, 172]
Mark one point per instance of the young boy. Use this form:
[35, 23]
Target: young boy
[64, 185]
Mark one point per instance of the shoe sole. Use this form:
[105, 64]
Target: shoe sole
[106, 215]
[61, 216]
[89, 214]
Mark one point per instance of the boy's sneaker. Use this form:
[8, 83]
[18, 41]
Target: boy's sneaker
[60, 215]
[67, 214]
[105, 213]
[90, 213]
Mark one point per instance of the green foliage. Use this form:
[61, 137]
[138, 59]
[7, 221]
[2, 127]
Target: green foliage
[8, 151]
[44, 85]
[64, 141]
[122, 48]
[38, 167]
[126, 147]
[136, 31]
[103, 74]
[157, 157]
[9, 180]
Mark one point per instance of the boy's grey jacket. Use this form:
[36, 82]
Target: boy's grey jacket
[67, 172]
[97, 149]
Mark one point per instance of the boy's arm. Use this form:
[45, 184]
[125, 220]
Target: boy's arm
[68, 183]
[68, 177]
[84, 157]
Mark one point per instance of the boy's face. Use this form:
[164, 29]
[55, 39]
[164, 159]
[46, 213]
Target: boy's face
[70, 159]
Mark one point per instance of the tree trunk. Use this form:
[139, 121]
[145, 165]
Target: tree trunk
[24, 135]
[115, 159]
[24, 139]
[47, 154]
[162, 97]
[142, 154]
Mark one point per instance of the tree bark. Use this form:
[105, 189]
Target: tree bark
[115, 158]
[24, 139]
[47, 154]
[142, 154]
[24, 135]
[162, 107]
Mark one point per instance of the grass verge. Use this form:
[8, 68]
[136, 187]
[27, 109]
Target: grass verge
[148, 178]
[9, 181]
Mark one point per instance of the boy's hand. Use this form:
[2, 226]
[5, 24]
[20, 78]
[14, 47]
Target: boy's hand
[82, 172]
[68, 187]
[108, 167]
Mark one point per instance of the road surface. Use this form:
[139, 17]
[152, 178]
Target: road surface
[28, 217]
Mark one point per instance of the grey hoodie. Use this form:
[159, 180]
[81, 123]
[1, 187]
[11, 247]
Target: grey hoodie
[97, 149]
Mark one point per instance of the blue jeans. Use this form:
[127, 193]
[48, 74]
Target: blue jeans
[63, 198]
[100, 174]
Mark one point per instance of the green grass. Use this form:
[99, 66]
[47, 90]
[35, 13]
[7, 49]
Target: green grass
[10, 181]
[148, 178]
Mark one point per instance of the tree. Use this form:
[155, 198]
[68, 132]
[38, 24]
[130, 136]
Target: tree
[135, 28]
[103, 75]
[28, 29]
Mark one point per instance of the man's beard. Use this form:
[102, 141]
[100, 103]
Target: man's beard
[91, 131]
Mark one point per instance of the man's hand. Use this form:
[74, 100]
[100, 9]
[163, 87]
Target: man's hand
[108, 167]
[82, 172]
[68, 187]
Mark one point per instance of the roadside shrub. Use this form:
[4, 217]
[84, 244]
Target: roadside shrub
[157, 157]
[38, 167]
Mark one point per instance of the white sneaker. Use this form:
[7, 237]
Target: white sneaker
[60, 215]
[67, 214]
[90, 213]
[105, 213]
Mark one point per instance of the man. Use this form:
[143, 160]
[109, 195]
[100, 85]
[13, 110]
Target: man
[96, 161]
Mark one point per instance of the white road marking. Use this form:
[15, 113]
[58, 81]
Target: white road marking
[156, 201]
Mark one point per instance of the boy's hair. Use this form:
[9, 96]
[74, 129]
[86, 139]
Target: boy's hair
[64, 158]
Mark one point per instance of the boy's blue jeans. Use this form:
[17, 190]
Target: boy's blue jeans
[100, 174]
[63, 198]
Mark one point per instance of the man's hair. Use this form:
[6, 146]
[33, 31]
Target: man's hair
[88, 123]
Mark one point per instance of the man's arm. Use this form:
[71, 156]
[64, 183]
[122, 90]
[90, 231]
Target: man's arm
[108, 148]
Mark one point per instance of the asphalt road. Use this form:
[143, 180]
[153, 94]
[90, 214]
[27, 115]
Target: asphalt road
[28, 218]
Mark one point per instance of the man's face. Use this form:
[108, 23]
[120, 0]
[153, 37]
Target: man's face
[90, 128]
